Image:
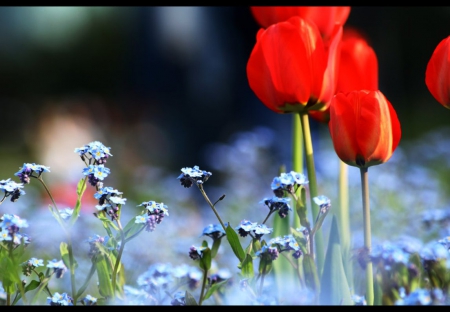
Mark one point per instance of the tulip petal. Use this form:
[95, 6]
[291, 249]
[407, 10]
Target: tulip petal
[343, 128]
[437, 74]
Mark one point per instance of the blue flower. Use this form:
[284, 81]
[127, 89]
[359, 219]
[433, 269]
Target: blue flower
[287, 182]
[60, 300]
[155, 214]
[434, 251]
[245, 227]
[58, 267]
[179, 299]
[189, 176]
[109, 201]
[271, 251]
[262, 229]
[323, 202]
[158, 276]
[278, 203]
[12, 189]
[423, 297]
[35, 262]
[196, 253]
[215, 231]
[27, 170]
[4, 235]
[66, 213]
[286, 243]
[88, 300]
[94, 152]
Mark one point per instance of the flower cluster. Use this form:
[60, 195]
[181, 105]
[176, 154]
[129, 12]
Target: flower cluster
[58, 266]
[280, 244]
[30, 265]
[96, 243]
[60, 299]
[280, 204]
[153, 215]
[28, 170]
[109, 201]
[10, 226]
[189, 176]
[94, 155]
[288, 182]
[195, 252]
[11, 188]
[215, 231]
[253, 229]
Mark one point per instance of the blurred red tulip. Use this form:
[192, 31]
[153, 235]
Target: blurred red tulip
[437, 75]
[289, 68]
[325, 17]
[358, 68]
[364, 128]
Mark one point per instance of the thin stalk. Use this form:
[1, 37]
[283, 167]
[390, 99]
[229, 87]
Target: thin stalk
[86, 282]
[367, 233]
[268, 215]
[319, 250]
[296, 267]
[202, 293]
[297, 154]
[119, 256]
[42, 285]
[344, 220]
[69, 243]
[200, 187]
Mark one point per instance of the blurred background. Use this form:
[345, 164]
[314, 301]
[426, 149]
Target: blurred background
[166, 88]
[158, 84]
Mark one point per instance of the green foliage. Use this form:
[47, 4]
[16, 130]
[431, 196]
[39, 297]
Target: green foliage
[334, 286]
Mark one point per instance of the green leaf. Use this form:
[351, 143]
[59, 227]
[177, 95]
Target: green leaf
[64, 250]
[81, 187]
[233, 239]
[215, 247]
[247, 267]
[301, 210]
[31, 286]
[334, 285]
[205, 260]
[57, 216]
[311, 275]
[265, 264]
[189, 299]
[213, 288]
[107, 223]
[104, 276]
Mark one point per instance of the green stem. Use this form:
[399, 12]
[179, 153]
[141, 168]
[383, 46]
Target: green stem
[297, 154]
[320, 252]
[268, 215]
[344, 220]
[119, 256]
[42, 285]
[296, 267]
[202, 293]
[69, 242]
[86, 282]
[367, 233]
[200, 187]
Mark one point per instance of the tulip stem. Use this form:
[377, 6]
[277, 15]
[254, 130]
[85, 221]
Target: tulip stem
[367, 233]
[344, 220]
[297, 154]
[320, 253]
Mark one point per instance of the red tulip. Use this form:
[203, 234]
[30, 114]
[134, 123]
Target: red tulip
[324, 17]
[437, 75]
[358, 68]
[289, 68]
[364, 128]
